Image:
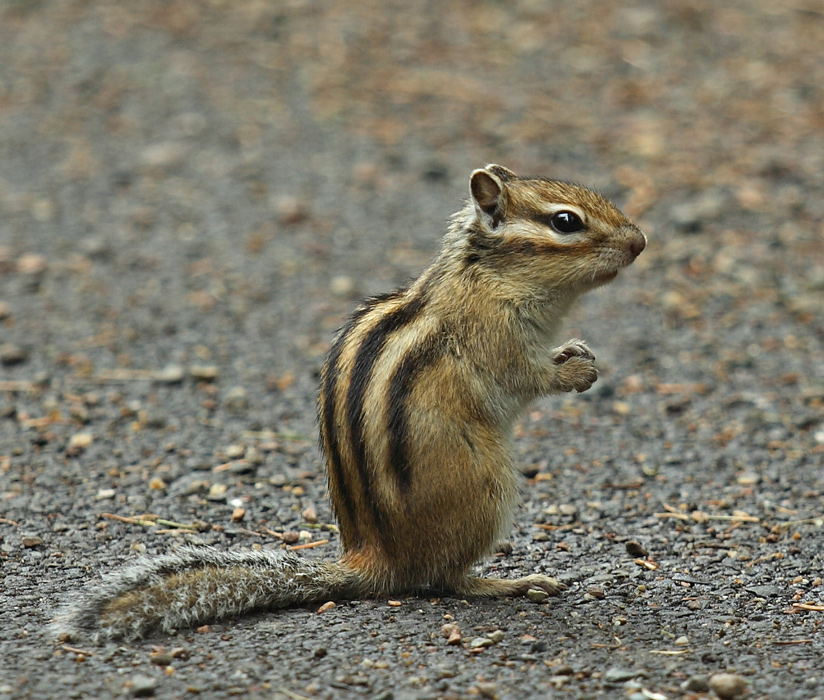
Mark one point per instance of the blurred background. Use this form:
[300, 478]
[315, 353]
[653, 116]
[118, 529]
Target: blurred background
[220, 181]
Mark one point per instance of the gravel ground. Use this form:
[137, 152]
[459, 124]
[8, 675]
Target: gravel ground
[195, 194]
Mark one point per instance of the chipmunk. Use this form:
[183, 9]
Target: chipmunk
[418, 398]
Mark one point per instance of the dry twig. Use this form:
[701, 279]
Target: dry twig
[308, 545]
[149, 520]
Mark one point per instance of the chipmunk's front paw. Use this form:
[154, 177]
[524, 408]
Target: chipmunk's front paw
[575, 369]
[572, 348]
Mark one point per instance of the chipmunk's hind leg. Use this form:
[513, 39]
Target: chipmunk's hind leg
[478, 587]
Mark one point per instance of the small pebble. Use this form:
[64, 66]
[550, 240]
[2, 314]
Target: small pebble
[727, 685]
[161, 155]
[154, 420]
[326, 606]
[79, 442]
[480, 642]
[696, 684]
[95, 247]
[621, 408]
[636, 549]
[238, 514]
[487, 690]
[763, 591]
[11, 354]
[536, 595]
[217, 492]
[452, 633]
[497, 636]
[342, 286]
[291, 210]
[157, 484]
[104, 494]
[204, 373]
[254, 457]
[143, 686]
[195, 486]
[31, 264]
[161, 658]
[615, 676]
[234, 451]
[241, 466]
[31, 541]
[310, 515]
[290, 537]
[171, 374]
[236, 399]
[448, 629]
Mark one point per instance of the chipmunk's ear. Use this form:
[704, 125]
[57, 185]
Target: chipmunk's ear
[505, 174]
[488, 186]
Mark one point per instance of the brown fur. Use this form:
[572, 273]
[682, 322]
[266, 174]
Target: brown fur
[480, 343]
[418, 398]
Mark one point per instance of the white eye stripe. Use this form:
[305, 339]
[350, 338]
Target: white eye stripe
[553, 209]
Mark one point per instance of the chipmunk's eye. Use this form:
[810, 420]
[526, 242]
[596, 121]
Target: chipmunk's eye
[567, 222]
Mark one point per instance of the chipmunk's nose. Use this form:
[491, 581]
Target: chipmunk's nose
[637, 242]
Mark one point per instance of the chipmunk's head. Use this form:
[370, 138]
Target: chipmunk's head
[545, 234]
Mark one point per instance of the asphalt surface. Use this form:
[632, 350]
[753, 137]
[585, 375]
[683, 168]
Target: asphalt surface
[193, 196]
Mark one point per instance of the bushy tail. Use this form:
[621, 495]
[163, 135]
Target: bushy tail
[197, 585]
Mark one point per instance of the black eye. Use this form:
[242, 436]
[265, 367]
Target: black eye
[566, 222]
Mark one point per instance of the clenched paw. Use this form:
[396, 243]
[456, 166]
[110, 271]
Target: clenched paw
[574, 367]
[572, 348]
